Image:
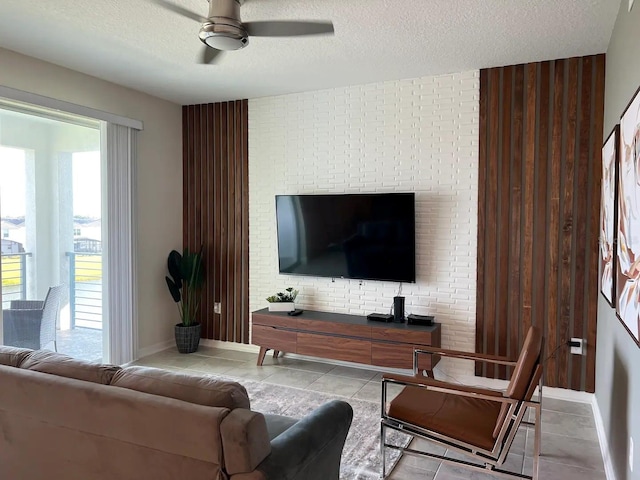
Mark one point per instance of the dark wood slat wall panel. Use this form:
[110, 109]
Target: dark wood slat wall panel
[528, 178]
[551, 370]
[504, 211]
[592, 245]
[216, 212]
[482, 182]
[540, 139]
[491, 250]
[515, 225]
[540, 245]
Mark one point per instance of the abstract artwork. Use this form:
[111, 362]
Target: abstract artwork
[608, 216]
[628, 251]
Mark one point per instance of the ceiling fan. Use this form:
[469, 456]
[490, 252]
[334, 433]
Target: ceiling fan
[222, 29]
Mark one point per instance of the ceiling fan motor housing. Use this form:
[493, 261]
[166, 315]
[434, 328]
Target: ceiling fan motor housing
[223, 29]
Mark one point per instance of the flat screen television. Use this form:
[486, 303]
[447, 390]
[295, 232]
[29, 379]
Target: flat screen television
[361, 236]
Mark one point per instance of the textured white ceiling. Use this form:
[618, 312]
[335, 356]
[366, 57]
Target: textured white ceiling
[138, 44]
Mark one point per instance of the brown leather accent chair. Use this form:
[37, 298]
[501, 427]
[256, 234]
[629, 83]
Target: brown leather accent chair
[478, 422]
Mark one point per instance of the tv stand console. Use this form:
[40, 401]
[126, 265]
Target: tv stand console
[350, 338]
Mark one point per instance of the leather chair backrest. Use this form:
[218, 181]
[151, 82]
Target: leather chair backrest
[527, 362]
[526, 374]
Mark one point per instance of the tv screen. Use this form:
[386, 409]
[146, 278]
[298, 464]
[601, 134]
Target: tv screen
[361, 236]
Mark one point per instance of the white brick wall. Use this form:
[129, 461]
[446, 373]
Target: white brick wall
[418, 135]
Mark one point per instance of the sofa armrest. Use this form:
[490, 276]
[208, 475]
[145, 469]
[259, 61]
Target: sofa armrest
[310, 449]
[245, 440]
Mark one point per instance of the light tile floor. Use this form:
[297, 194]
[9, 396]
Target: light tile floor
[570, 449]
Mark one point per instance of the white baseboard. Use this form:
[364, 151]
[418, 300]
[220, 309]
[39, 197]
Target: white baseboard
[603, 441]
[158, 347]
[241, 347]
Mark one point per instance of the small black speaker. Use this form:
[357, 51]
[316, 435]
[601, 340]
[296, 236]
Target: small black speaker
[398, 309]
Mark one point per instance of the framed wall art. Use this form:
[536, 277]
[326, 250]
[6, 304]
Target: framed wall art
[628, 250]
[608, 224]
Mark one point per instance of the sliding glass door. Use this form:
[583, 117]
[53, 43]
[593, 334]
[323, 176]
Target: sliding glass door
[52, 232]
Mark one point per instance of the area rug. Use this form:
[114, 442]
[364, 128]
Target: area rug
[361, 455]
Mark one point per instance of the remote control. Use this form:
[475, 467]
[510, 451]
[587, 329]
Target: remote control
[295, 312]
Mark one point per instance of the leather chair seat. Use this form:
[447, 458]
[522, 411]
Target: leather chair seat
[467, 419]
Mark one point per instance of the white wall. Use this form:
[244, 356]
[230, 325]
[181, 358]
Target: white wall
[617, 355]
[159, 185]
[418, 135]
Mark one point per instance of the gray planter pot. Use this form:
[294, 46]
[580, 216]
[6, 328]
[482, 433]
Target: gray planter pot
[187, 338]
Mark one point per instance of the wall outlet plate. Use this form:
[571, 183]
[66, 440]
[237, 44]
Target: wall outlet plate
[579, 350]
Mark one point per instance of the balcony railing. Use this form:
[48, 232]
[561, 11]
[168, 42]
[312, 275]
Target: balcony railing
[85, 289]
[14, 277]
[85, 285]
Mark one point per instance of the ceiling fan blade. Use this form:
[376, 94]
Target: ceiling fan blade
[288, 28]
[180, 10]
[210, 56]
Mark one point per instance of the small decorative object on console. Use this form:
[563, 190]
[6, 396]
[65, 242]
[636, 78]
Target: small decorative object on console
[380, 317]
[283, 301]
[420, 320]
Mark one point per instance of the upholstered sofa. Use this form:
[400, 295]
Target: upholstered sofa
[64, 418]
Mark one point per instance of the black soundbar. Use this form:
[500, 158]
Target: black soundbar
[380, 317]
[420, 320]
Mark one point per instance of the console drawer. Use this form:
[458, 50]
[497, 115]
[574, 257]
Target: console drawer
[402, 335]
[271, 337]
[346, 329]
[337, 348]
[275, 320]
[398, 356]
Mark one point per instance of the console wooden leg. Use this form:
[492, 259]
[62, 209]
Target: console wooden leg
[263, 352]
[430, 374]
[276, 353]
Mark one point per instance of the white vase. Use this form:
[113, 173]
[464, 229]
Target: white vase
[282, 307]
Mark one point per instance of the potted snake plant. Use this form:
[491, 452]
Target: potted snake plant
[185, 280]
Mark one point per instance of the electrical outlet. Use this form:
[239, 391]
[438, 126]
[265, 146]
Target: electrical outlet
[631, 454]
[217, 307]
[577, 346]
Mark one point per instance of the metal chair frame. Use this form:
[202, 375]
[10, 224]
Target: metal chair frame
[513, 420]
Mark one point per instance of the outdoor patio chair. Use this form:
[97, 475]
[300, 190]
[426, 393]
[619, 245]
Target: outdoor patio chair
[478, 422]
[32, 323]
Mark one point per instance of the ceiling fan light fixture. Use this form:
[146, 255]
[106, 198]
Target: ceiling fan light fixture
[223, 36]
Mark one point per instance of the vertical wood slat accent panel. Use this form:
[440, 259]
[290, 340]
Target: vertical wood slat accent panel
[216, 212]
[540, 139]
[593, 245]
[504, 211]
[515, 225]
[482, 181]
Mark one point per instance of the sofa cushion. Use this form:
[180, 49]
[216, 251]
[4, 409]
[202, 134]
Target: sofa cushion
[12, 356]
[201, 390]
[66, 366]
